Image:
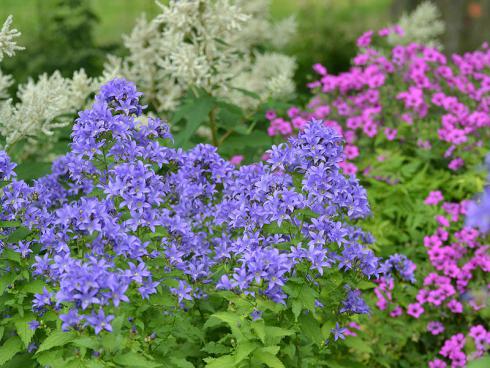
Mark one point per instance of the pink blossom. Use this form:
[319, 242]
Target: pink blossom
[437, 363]
[237, 160]
[434, 198]
[390, 133]
[348, 168]
[396, 312]
[435, 328]
[320, 69]
[415, 310]
[270, 114]
[456, 164]
[365, 39]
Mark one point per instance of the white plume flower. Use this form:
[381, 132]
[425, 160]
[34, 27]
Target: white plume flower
[8, 45]
[44, 105]
[5, 82]
[212, 44]
[423, 25]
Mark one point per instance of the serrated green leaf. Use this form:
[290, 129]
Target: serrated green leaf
[52, 358]
[311, 328]
[23, 330]
[11, 255]
[6, 280]
[112, 343]
[194, 111]
[231, 319]
[244, 349]
[259, 328]
[88, 342]
[135, 360]
[275, 334]
[268, 359]
[8, 350]
[33, 287]
[297, 307]
[225, 361]
[57, 338]
[181, 362]
[215, 348]
[229, 115]
[19, 234]
[95, 364]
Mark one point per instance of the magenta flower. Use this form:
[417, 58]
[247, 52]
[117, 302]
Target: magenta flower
[435, 328]
[415, 310]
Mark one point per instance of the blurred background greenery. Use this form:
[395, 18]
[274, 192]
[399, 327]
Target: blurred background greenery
[69, 34]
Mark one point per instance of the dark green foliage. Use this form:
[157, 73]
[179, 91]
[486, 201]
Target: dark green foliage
[64, 42]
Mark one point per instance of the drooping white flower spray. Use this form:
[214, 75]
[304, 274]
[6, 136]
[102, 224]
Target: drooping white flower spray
[423, 26]
[8, 46]
[43, 105]
[212, 45]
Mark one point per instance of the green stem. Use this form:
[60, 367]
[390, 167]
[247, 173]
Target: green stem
[214, 128]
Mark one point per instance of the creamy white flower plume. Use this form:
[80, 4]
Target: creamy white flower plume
[423, 25]
[8, 45]
[207, 43]
[44, 105]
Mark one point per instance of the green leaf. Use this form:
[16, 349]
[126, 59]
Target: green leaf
[8, 350]
[480, 363]
[11, 255]
[181, 363]
[275, 334]
[33, 287]
[358, 344]
[6, 280]
[194, 111]
[244, 350]
[95, 364]
[247, 93]
[297, 308]
[32, 169]
[6, 224]
[112, 342]
[225, 361]
[233, 320]
[52, 358]
[268, 359]
[57, 338]
[215, 348]
[229, 115]
[310, 328]
[135, 360]
[285, 228]
[259, 328]
[86, 342]
[19, 234]
[23, 330]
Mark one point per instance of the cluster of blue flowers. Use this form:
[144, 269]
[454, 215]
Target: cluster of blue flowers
[123, 211]
[478, 215]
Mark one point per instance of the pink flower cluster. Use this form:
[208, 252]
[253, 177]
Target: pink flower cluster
[453, 348]
[458, 256]
[408, 90]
